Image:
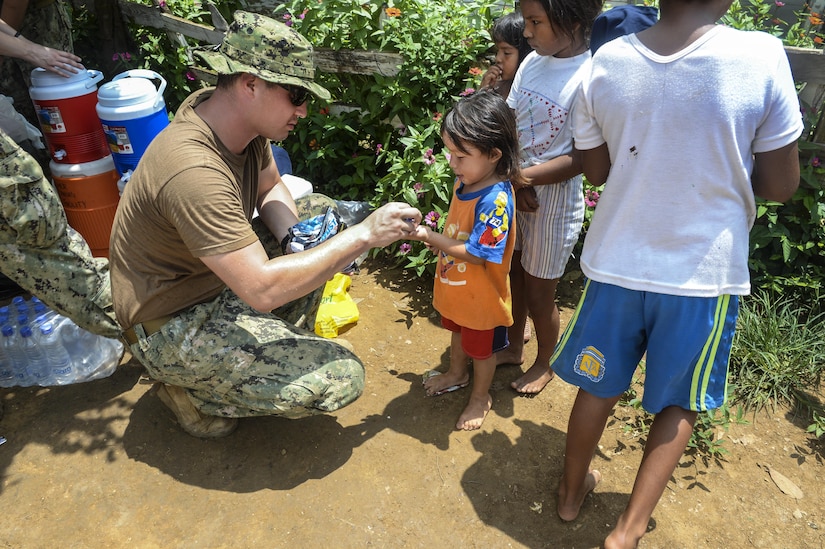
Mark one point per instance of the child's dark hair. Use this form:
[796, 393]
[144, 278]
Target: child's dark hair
[484, 121]
[564, 15]
[510, 29]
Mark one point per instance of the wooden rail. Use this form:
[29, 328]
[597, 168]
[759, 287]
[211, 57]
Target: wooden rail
[326, 60]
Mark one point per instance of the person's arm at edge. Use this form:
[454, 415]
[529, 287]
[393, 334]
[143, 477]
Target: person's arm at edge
[595, 164]
[13, 12]
[56, 61]
[266, 284]
[776, 173]
[555, 170]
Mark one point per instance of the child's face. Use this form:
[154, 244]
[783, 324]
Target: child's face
[507, 59]
[473, 166]
[540, 33]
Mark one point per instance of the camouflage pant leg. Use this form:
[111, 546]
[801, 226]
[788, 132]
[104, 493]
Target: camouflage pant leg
[302, 311]
[238, 362]
[42, 254]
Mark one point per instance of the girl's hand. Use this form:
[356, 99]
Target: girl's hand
[491, 77]
[526, 199]
[420, 233]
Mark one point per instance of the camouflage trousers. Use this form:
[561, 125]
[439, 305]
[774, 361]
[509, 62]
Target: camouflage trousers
[238, 362]
[42, 254]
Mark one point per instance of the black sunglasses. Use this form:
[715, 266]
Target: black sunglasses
[297, 95]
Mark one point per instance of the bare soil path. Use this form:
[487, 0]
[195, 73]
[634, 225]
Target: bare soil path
[103, 464]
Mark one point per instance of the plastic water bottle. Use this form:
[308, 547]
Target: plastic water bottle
[38, 363]
[73, 341]
[19, 361]
[6, 367]
[19, 304]
[62, 371]
[40, 310]
[112, 351]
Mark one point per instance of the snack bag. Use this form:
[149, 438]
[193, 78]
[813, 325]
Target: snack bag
[311, 232]
[337, 308]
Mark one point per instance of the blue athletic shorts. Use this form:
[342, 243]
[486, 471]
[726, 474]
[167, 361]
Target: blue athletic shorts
[687, 341]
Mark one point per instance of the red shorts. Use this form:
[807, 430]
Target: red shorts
[479, 344]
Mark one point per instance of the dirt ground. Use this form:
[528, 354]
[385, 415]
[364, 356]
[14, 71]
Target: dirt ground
[103, 464]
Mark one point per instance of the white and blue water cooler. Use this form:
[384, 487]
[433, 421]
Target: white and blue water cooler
[132, 111]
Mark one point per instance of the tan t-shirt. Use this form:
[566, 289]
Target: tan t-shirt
[189, 197]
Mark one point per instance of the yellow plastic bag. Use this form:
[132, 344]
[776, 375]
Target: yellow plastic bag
[337, 308]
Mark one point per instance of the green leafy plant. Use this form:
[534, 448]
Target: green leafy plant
[379, 140]
[817, 428]
[778, 351]
[761, 15]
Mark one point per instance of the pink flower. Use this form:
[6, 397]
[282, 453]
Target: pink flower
[162, 4]
[404, 248]
[115, 57]
[418, 187]
[816, 162]
[468, 91]
[591, 198]
[127, 56]
[779, 4]
[432, 218]
[189, 76]
[287, 20]
[429, 159]
[378, 149]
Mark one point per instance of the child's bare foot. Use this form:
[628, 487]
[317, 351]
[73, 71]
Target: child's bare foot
[438, 384]
[621, 540]
[569, 507]
[534, 380]
[473, 415]
[508, 356]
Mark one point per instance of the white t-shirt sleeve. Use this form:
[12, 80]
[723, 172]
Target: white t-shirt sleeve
[586, 131]
[783, 122]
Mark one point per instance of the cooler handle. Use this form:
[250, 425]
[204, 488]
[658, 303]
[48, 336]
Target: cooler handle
[94, 78]
[151, 75]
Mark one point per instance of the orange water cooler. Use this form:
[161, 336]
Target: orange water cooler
[90, 196]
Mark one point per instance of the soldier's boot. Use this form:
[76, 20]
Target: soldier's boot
[190, 418]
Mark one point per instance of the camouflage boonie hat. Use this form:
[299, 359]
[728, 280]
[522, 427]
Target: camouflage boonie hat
[266, 48]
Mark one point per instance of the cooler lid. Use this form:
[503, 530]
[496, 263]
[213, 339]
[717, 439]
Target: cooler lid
[127, 91]
[42, 78]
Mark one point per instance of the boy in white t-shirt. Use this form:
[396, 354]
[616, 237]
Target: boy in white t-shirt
[684, 122]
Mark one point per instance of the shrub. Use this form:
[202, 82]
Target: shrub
[379, 141]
